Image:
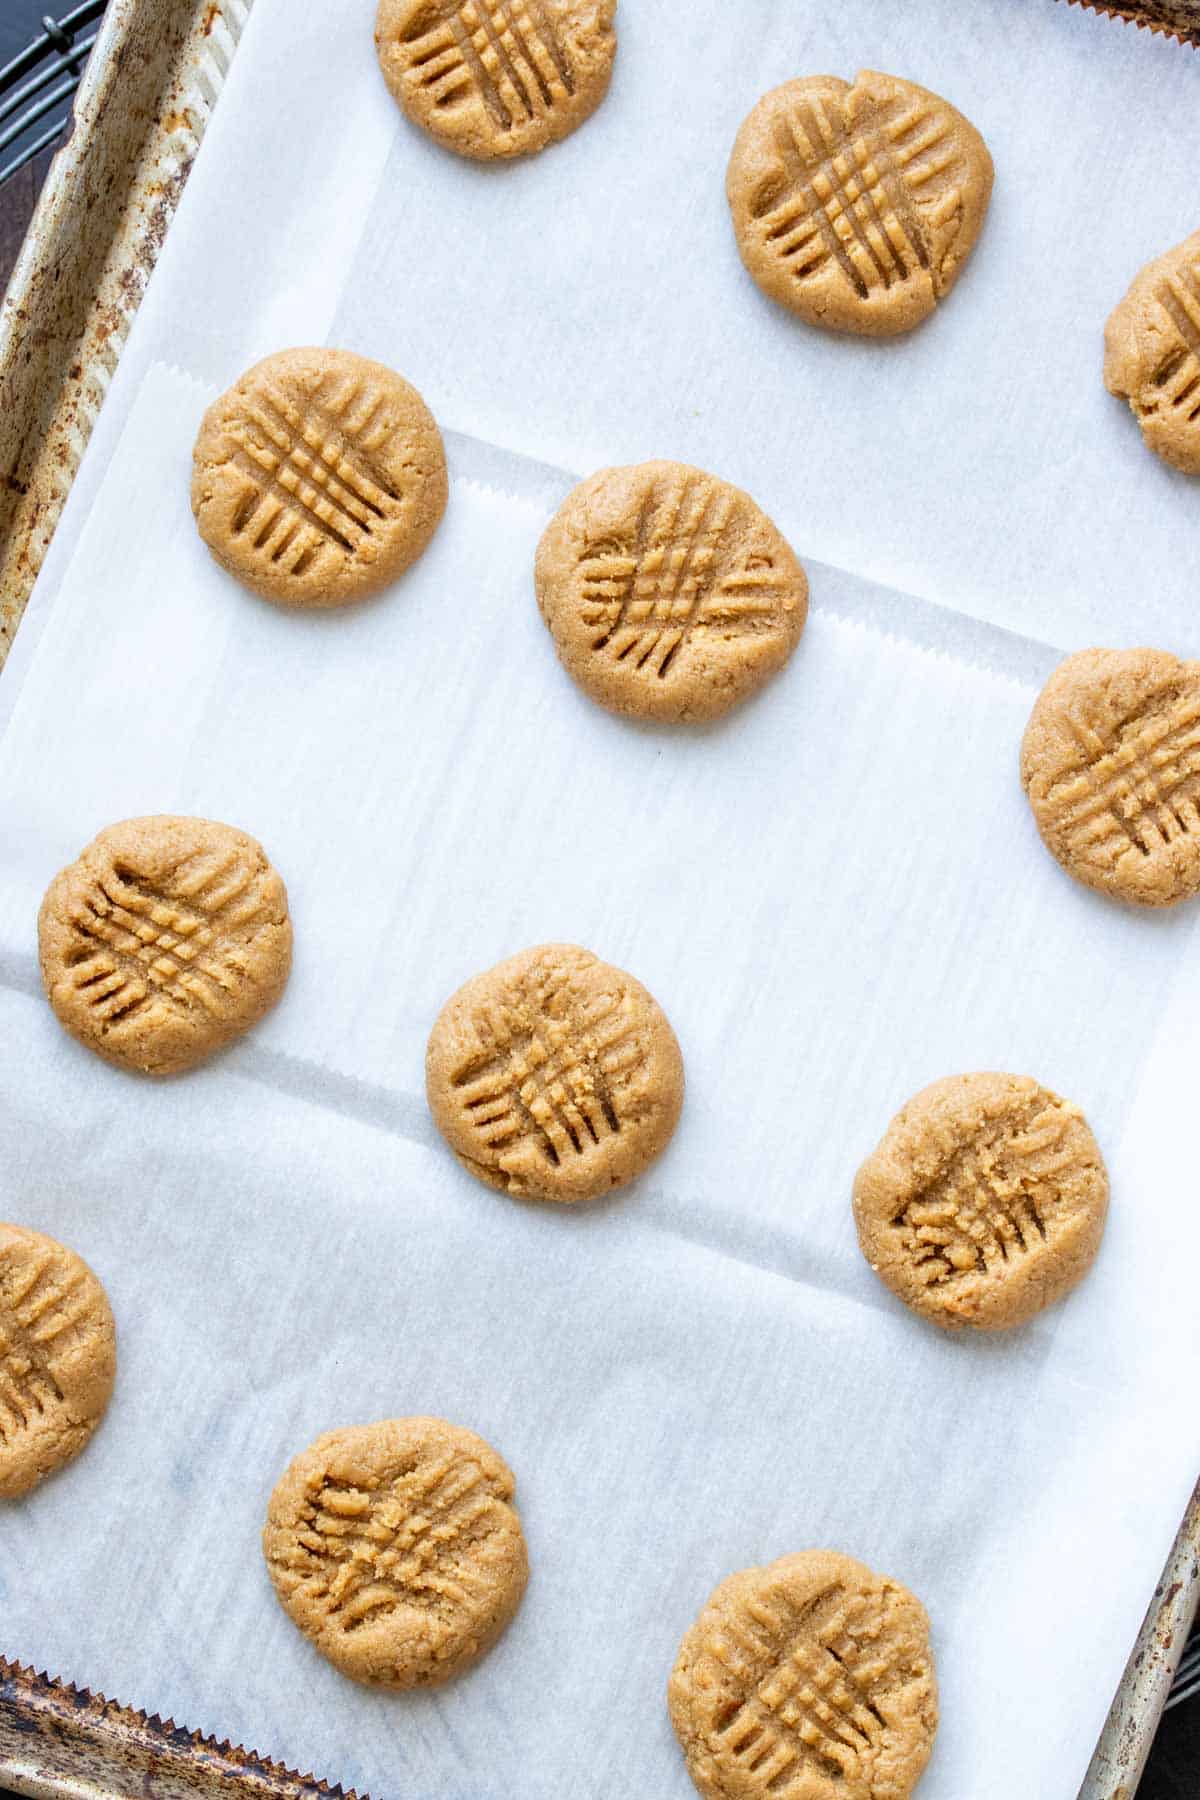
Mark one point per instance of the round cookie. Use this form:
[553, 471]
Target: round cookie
[318, 477]
[497, 78]
[164, 940]
[809, 1679]
[58, 1357]
[1152, 354]
[669, 594]
[396, 1548]
[554, 1076]
[1110, 762]
[856, 206]
[983, 1202]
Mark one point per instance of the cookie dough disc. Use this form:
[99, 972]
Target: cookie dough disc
[497, 78]
[554, 1076]
[396, 1548]
[318, 478]
[1110, 762]
[164, 940]
[856, 206]
[58, 1357]
[669, 593]
[984, 1201]
[810, 1679]
[1152, 354]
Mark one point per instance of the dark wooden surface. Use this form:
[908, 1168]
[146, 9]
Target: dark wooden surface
[1174, 1772]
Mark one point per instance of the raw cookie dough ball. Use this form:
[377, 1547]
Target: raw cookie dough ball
[318, 478]
[396, 1548]
[1152, 354]
[58, 1357]
[983, 1202]
[497, 78]
[669, 594]
[554, 1076]
[164, 940]
[1110, 762]
[856, 205]
[810, 1679]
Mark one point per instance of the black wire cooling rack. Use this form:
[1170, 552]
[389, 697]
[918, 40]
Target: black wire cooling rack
[1187, 1677]
[38, 85]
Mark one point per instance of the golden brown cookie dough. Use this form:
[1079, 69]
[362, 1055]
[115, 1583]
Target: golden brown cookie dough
[810, 1679]
[857, 206]
[554, 1076]
[58, 1357]
[1152, 354]
[497, 78]
[668, 593]
[396, 1548]
[983, 1202]
[1111, 764]
[164, 940]
[318, 478]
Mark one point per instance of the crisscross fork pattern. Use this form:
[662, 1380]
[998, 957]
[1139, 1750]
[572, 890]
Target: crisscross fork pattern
[558, 1081]
[315, 479]
[813, 1705]
[362, 1552]
[1137, 788]
[1179, 375]
[982, 1208]
[871, 199]
[506, 51]
[675, 578]
[38, 1306]
[177, 940]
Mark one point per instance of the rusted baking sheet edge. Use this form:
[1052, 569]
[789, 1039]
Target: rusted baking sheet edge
[1126, 1739]
[59, 1740]
[149, 91]
[1171, 18]
[147, 95]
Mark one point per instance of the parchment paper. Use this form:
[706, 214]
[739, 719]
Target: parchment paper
[838, 895]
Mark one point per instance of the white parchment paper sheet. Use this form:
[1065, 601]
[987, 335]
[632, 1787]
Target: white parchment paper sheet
[589, 306]
[837, 894]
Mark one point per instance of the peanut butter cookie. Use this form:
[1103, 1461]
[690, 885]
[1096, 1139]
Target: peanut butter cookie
[856, 206]
[668, 593]
[164, 940]
[984, 1201]
[1111, 764]
[554, 1076]
[497, 78]
[810, 1679]
[318, 478]
[1152, 354]
[58, 1357]
[396, 1548]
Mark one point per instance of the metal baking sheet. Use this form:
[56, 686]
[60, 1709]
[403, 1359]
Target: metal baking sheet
[59, 1739]
[151, 85]
[140, 113]
[1173, 18]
